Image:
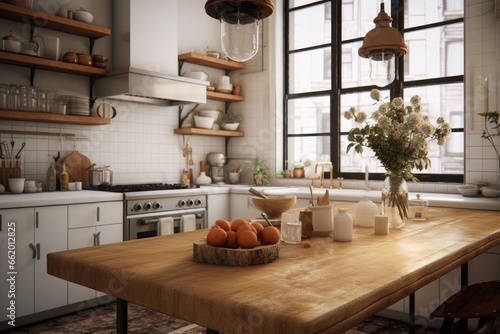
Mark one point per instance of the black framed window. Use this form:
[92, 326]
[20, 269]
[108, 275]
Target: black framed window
[324, 76]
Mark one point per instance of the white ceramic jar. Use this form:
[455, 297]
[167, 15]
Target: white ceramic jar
[342, 226]
[365, 212]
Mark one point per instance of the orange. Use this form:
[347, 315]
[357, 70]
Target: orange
[224, 224]
[232, 240]
[270, 235]
[237, 223]
[247, 239]
[244, 227]
[216, 236]
[258, 228]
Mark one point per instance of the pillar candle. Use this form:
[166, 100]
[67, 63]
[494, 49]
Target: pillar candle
[486, 95]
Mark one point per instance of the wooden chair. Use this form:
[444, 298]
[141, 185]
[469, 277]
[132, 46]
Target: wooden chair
[481, 300]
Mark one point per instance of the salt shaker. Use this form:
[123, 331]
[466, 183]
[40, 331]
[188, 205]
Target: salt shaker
[342, 226]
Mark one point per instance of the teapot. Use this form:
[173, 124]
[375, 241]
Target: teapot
[11, 43]
[31, 47]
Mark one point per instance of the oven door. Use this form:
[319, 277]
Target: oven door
[146, 225]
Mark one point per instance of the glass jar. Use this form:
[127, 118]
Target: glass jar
[419, 208]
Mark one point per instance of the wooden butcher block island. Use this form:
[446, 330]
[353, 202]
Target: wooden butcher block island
[326, 288]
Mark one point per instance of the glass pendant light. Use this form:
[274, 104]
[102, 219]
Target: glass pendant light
[239, 25]
[239, 32]
[381, 46]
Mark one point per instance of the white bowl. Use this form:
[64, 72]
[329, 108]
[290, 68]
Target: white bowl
[16, 185]
[204, 122]
[468, 192]
[209, 113]
[83, 16]
[230, 126]
[29, 184]
[467, 187]
[198, 75]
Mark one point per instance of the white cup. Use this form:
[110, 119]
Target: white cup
[224, 80]
[71, 186]
[52, 47]
[78, 186]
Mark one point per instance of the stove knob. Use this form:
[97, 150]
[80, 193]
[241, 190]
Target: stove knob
[181, 203]
[197, 202]
[137, 207]
[190, 202]
[147, 206]
[156, 205]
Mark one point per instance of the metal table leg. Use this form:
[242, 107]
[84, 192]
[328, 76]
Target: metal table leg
[121, 316]
[411, 312]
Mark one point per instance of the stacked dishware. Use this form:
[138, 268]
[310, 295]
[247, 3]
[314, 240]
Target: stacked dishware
[206, 118]
[76, 105]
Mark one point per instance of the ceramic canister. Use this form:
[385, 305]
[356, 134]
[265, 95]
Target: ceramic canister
[322, 219]
[364, 213]
[342, 223]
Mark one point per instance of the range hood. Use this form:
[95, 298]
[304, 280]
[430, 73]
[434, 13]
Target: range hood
[144, 61]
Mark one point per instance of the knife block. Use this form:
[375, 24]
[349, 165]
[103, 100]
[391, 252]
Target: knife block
[7, 173]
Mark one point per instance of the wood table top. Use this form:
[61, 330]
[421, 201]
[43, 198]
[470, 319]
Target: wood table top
[327, 288]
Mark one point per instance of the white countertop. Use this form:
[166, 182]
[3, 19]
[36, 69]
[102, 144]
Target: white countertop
[349, 195]
[9, 201]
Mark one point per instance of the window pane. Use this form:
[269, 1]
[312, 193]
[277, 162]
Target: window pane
[309, 148]
[310, 26]
[310, 71]
[309, 115]
[435, 53]
[442, 100]
[424, 11]
[357, 17]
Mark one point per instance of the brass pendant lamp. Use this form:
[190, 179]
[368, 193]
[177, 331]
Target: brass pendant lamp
[239, 25]
[381, 46]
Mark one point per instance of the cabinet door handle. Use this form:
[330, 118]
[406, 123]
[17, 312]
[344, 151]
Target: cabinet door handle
[38, 251]
[33, 249]
[0, 223]
[98, 213]
[36, 219]
[97, 238]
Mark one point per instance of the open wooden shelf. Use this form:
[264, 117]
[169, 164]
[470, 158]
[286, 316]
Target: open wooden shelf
[50, 65]
[224, 97]
[221, 64]
[51, 118]
[52, 22]
[208, 132]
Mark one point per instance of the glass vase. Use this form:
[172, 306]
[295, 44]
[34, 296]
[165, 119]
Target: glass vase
[395, 200]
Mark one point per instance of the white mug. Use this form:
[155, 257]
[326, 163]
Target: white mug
[52, 47]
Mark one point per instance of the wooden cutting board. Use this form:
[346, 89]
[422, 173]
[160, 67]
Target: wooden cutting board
[76, 166]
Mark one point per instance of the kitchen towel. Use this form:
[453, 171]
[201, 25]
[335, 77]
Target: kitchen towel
[188, 223]
[165, 226]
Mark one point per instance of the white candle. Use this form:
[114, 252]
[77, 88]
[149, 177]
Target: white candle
[486, 95]
[366, 173]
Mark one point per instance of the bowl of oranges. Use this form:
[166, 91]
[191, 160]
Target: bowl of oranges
[238, 243]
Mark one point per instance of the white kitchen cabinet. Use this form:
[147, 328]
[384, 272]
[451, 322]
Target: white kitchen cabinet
[217, 207]
[38, 231]
[92, 225]
[240, 206]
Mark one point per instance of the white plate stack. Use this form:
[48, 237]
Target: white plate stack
[76, 105]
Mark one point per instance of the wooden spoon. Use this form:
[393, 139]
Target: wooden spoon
[257, 193]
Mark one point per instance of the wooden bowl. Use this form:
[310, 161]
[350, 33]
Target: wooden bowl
[274, 205]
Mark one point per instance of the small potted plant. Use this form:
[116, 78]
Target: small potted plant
[260, 172]
[228, 120]
[298, 169]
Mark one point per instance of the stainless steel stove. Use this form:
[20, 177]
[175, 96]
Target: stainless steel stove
[146, 204]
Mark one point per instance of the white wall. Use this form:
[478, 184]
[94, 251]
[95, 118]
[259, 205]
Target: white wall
[139, 144]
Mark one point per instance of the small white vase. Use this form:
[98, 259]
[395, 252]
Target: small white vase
[203, 179]
[365, 212]
[342, 226]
